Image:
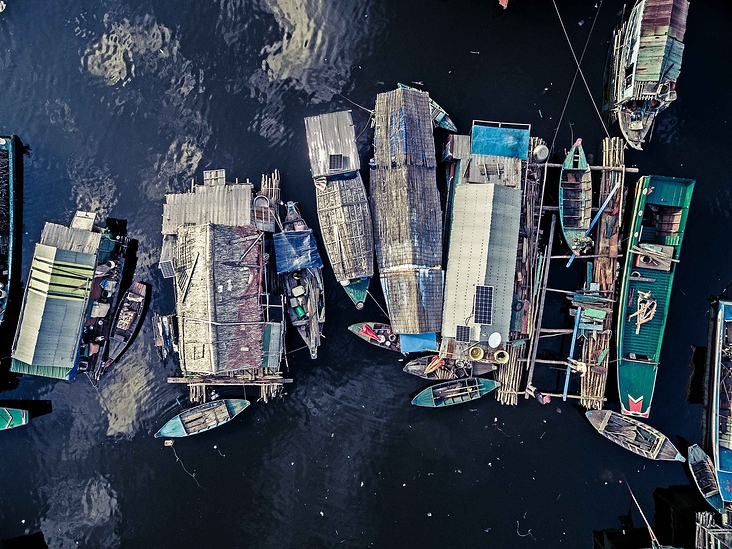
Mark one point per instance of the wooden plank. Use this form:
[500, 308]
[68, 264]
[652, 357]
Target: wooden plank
[225, 380]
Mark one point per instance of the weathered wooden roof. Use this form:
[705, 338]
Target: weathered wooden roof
[332, 144]
[227, 204]
[406, 211]
[218, 279]
[66, 238]
[661, 48]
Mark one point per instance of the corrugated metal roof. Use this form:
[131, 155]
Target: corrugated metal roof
[53, 312]
[218, 277]
[67, 238]
[331, 134]
[229, 205]
[483, 247]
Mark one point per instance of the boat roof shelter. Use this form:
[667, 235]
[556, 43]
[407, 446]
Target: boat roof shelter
[661, 47]
[406, 210]
[55, 303]
[484, 228]
[332, 144]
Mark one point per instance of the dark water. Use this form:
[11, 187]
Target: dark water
[122, 101]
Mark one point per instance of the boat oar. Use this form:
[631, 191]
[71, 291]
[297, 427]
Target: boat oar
[597, 216]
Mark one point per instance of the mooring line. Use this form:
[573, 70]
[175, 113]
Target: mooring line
[579, 69]
[378, 305]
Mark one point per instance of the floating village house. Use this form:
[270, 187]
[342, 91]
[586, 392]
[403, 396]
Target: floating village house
[216, 257]
[645, 63]
[407, 216]
[484, 214]
[343, 209]
[68, 302]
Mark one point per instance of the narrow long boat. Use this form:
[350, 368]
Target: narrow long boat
[575, 199]
[9, 189]
[720, 366]
[634, 435]
[454, 392]
[302, 269]
[10, 418]
[659, 214]
[127, 321]
[440, 118]
[203, 418]
[378, 334]
[705, 477]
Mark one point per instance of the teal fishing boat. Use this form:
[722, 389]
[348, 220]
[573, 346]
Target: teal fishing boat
[454, 392]
[659, 214]
[705, 477]
[203, 418]
[9, 181]
[378, 334]
[12, 417]
[575, 199]
[440, 118]
[719, 372]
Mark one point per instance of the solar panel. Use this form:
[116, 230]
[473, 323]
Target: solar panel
[462, 333]
[483, 305]
[336, 162]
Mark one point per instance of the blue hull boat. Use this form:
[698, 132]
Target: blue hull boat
[203, 418]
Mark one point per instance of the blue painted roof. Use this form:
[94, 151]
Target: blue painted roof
[418, 343]
[500, 141]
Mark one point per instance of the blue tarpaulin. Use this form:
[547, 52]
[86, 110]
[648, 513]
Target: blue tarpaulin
[295, 250]
[505, 141]
[728, 312]
[418, 343]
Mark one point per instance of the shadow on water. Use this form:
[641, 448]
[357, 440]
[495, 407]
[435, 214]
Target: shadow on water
[36, 408]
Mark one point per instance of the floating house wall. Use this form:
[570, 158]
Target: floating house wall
[406, 211]
[343, 209]
[55, 303]
[485, 216]
[332, 144]
[218, 283]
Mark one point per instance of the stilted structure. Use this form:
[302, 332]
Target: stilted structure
[406, 211]
[230, 319]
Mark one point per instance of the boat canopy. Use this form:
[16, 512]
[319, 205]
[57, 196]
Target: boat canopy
[418, 343]
[511, 140]
[296, 250]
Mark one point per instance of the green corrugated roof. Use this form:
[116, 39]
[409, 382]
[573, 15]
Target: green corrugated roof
[20, 367]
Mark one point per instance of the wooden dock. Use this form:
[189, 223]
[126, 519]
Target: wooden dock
[596, 299]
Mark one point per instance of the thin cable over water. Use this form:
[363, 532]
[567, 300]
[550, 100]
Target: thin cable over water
[579, 69]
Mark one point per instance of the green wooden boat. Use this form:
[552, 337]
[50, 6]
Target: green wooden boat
[378, 334]
[659, 214]
[454, 392]
[575, 199]
[203, 418]
[12, 417]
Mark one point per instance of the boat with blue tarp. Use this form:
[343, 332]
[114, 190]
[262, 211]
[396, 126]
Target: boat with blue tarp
[658, 222]
[203, 418]
[299, 262]
[454, 392]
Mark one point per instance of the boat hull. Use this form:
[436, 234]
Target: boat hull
[634, 435]
[659, 215]
[10, 418]
[449, 370]
[386, 338]
[721, 413]
[134, 303]
[702, 469]
[575, 199]
[357, 290]
[454, 392]
[202, 418]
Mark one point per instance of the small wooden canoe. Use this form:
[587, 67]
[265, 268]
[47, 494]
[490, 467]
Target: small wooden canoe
[10, 418]
[705, 477]
[203, 418]
[449, 369]
[380, 335]
[127, 321]
[454, 392]
[575, 199]
[634, 435]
